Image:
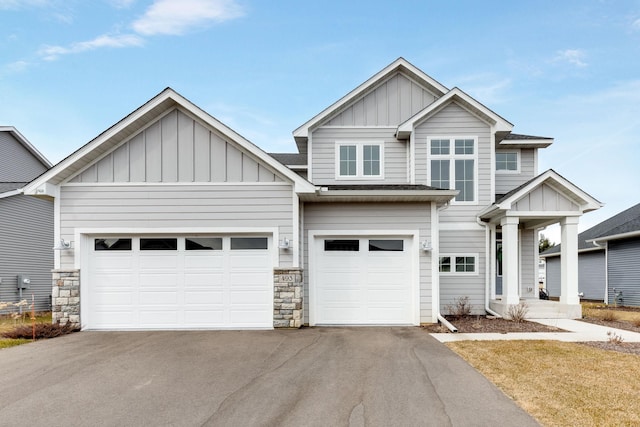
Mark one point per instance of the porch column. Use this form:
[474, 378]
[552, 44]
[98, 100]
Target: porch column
[510, 261]
[569, 260]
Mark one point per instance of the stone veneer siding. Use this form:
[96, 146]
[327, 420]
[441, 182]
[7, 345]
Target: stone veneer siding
[65, 297]
[287, 298]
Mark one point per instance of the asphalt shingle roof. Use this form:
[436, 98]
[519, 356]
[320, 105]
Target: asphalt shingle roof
[290, 159]
[10, 186]
[517, 136]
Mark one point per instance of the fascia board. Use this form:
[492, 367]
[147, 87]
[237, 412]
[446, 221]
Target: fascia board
[25, 142]
[525, 143]
[10, 193]
[302, 132]
[627, 235]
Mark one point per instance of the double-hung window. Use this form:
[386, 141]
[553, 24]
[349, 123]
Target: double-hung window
[359, 160]
[453, 165]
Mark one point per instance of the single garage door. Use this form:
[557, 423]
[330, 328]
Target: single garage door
[179, 283]
[365, 281]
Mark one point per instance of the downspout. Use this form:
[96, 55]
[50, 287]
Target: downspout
[435, 258]
[487, 267]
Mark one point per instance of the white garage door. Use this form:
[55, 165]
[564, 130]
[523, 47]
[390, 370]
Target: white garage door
[365, 281]
[179, 283]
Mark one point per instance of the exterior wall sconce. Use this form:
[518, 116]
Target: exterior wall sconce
[62, 245]
[425, 246]
[284, 243]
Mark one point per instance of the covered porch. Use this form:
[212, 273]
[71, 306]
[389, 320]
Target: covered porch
[514, 221]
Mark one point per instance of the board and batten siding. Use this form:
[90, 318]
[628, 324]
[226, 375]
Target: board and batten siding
[453, 286]
[26, 242]
[176, 148]
[388, 104]
[507, 180]
[624, 270]
[17, 164]
[323, 149]
[544, 198]
[215, 206]
[454, 121]
[373, 216]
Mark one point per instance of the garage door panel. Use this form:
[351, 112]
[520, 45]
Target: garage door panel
[338, 295]
[179, 288]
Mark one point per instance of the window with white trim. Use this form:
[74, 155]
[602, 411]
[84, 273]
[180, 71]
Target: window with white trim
[359, 160]
[507, 161]
[458, 264]
[453, 165]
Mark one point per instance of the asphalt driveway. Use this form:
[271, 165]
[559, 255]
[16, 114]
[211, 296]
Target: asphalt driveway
[310, 377]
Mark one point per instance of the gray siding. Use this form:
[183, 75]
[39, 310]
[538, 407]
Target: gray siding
[324, 154]
[528, 264]
[17, 164]
[544, 198]
[372, 216]
[592, 275]
[388, 104]
[624, 270]
[26, 239]
[453, 120]
[176, 206]
[507, 181]
[176, 148]
[553, 276]
[453, 286]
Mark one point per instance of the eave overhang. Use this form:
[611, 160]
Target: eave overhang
[456, 95]
[628, 235]
[324, 194]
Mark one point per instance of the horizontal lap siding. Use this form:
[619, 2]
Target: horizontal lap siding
[372, 216]
[592, 275]
[17, 164]
[624, 270]
[507, 181]
[552, 276]
[26, 239]
[199, 206]
[454, 121]
[457, 286]
[324, 154]
[528, 264]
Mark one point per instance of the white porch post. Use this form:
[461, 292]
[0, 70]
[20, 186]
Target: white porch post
[510, 261]
[569, 261]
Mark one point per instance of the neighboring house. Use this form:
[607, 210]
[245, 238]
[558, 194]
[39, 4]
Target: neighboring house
[403, 196]
[609, 261]
[26, 223]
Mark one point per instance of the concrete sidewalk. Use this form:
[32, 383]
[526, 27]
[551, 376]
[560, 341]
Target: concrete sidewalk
[577, 331]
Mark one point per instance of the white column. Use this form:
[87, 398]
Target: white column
[510, 260]
[569, 261]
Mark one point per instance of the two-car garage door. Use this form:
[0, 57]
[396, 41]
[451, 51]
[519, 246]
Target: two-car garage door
[179, 282]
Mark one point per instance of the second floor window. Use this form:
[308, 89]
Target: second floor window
[358, 160]
[453, 166]
[507, 162]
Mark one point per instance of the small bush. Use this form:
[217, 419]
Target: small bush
[43, 331]
[636, 323]
[461, 307]
[609, 316]
[518, 313]
[614, 338]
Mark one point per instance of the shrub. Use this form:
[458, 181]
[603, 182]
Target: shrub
[43, 330]
[614, 338]
[609, 316]
[461, 307]
[518, 313]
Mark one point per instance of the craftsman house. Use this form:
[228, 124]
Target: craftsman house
[403, 196]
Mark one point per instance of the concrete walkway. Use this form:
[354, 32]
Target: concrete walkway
[577, 331]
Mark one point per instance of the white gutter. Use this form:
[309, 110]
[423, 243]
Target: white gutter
[435, 255]
[446, 323]
[487, 268]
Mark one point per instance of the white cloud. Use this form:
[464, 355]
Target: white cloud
[636, 25]
[572, 56]
[51, 53]
[177, 17]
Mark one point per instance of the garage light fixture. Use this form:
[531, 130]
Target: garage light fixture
[284, 243]
[425, 245]
[62, 245]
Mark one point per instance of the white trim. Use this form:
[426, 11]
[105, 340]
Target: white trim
[359, 145]
[10, 193]
[172, 184]
[435, 275]
[452, 255]
[296, 229]
[452, 157]
[56, 227]
[635, 233]
[518, 154]
[359, 127]
[412, 249]
[492, 160]
[412, 159]
[310, 158]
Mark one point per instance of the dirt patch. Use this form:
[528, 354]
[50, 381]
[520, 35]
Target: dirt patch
[483, 324]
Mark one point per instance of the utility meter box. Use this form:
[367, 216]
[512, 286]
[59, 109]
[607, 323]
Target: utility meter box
[24, 281]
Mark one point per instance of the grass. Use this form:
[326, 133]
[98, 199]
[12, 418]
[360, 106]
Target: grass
[561, 383]
[7, 324]
[601, 311]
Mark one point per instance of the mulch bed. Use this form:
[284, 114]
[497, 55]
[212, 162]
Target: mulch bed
[483, 324]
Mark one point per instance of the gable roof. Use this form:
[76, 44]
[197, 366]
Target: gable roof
[586, 202]
[399, 65]
[22, 140]
[129, 126]
[461, 98]
[626, 223]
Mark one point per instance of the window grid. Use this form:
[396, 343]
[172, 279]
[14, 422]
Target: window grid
[507, 161]
[348, 161]
[454, 169]
[371, 160]
[458, 264]
[358, 160]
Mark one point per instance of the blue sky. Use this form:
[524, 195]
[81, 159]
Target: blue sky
[69, 69]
